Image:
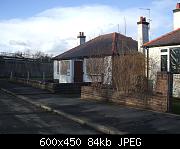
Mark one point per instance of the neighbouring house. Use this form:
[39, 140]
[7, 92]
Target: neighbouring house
[74, 65]
[163, 52]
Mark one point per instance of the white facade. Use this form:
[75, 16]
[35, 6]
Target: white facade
[69, 77]
[155, 66]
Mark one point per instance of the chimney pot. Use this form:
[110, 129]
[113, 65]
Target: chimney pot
[178, 6]
[142, 19]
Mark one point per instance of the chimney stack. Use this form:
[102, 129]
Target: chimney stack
[176, 13]
[143, 33]
[82, 37]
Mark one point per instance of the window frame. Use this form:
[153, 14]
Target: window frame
[177, 68]
[166, 63]
[65, 71]
[57, 67]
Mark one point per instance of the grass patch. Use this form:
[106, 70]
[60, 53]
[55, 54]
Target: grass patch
[176, 106]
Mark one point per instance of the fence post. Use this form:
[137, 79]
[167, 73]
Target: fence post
[11, 76]
[27, 76]
[43, 76]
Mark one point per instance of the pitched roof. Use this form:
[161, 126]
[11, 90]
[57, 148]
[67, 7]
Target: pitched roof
[103, 45]
[171, 38]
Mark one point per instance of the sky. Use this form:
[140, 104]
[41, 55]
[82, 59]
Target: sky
[52, 26]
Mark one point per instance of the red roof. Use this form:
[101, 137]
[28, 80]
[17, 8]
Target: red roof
[171, 38]
[104, 45]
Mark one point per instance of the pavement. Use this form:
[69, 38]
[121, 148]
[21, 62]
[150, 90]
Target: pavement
[104, 117]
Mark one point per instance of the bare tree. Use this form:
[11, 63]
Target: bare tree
[129, 72]
[95, 70]
[18, 54]
[38, 55]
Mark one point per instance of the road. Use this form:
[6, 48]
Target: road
[20, 117]
[101, 116]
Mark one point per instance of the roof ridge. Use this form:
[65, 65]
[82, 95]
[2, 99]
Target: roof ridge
[162, 36]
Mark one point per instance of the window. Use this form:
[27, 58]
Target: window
[163, 62]
[94, 66]
[163, 50]
[65, 67]
[175, 60]
[57, 67]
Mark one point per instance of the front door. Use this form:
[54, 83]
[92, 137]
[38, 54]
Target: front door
[78, 71]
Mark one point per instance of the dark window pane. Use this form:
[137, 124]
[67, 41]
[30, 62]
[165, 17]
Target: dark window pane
[163, 62]
[163, 50]
[57, 67]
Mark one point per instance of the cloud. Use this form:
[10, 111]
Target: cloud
[20, 43]
[55, 30]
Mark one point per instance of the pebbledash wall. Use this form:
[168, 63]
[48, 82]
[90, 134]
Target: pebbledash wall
[159, 101]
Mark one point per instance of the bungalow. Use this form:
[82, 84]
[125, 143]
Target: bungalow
[73, 65]
[164, 52]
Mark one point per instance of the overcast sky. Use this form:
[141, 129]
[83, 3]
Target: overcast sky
[52, 26]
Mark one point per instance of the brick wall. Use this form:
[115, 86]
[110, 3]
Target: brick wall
[158, 102]
[37, 84]
[162, 83]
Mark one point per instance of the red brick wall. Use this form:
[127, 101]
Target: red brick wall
[158, 101]
[162, 83]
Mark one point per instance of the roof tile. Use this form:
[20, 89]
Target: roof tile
[103, 45]
[171, 38]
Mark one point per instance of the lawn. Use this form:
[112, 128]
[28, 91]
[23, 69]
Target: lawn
[176, 106]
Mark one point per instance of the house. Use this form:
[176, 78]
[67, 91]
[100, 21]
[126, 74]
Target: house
[73, 65]
[163, 52]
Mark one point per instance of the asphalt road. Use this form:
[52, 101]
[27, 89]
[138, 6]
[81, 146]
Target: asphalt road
[118, 118]
[19, 117]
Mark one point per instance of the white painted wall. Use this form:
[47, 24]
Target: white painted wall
[155, 66]
[176, 23]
